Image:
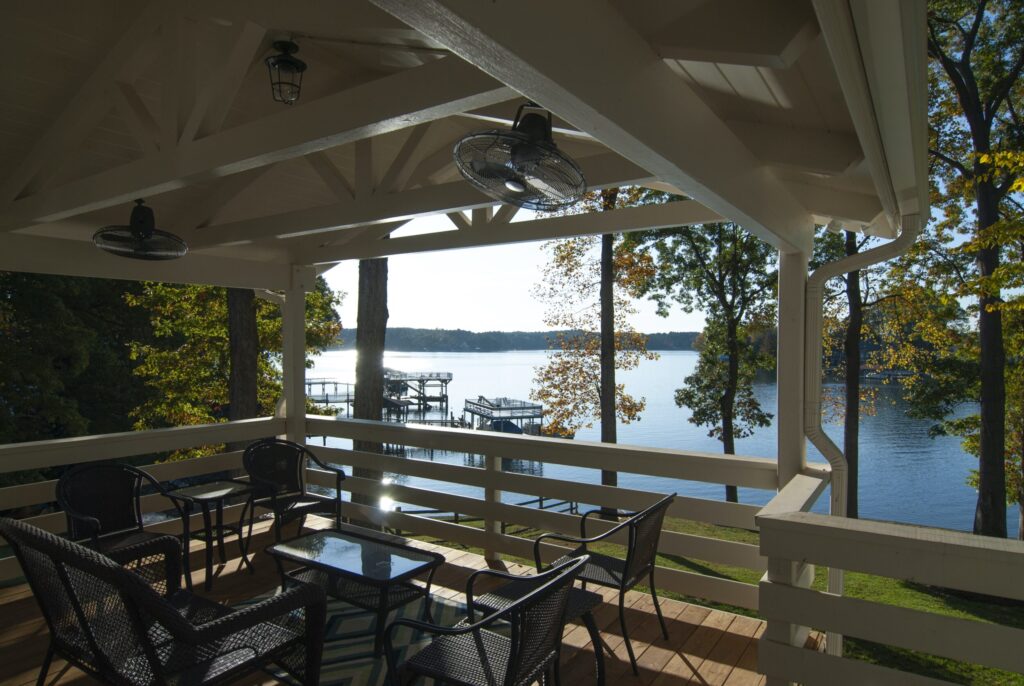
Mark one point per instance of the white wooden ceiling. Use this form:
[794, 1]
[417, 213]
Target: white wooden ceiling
[775, 113]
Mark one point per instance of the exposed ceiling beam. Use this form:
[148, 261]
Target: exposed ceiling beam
[43, 255]
[758, 33]
[84, 111]
[682, 213]
[320, 252]
[202, 211]
[825, 152]
[435, 90]
[832, 203]
[601, 171]
[610, 83]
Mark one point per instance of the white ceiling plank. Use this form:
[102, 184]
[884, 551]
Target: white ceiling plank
[319, 253]
[602, 170]
[833, 203]
[686, 212]
[331, 175]
[636, 106]
[212, 105]
[83, 112]
[431, 164]
[200, 213]
[770, 34]
[400, 168]
[435, 90]
[814, 150]
[137, 115]
[363, 176]
[42, 255]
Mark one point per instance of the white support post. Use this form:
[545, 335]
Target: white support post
[293, 365]
[492, 495]
[788, 573]
[792, 448]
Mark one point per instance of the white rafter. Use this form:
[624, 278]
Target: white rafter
[83, 112]
[408, 98]
[685, 212]
[610, 83]
[601, 171]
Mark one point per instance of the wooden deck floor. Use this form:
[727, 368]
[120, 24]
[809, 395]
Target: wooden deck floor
[706, 647]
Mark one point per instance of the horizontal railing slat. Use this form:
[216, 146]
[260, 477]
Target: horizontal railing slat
[721, 513]
[789, 663]
[939, 557]
[709, 467]
[63, 451]
[952, 637]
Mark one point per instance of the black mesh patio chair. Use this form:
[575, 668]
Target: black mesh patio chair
[277, 471]
[103, 506]
[604, 570]
[524, 648]
[111, 624]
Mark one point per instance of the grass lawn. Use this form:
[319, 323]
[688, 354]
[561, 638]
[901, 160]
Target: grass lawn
[864, 586]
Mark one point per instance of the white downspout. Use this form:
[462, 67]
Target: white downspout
[911, 227]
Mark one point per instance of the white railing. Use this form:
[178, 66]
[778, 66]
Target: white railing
[794, 542]
[492, 481]
[67, 451]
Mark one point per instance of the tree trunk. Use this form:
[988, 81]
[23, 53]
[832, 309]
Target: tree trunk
[851, 345]
[244, 350]
[609, 431]
[990, 514]
[729, 399]
[371, 325]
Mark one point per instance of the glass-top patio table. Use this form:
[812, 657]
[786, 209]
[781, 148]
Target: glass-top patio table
[362, 569]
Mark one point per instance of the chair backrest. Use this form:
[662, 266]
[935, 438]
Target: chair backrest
[537, 621]
[644, 532]
[97, 611]
[276, 464]
[108, 492]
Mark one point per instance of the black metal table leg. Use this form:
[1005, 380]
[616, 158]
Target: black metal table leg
[208, 583]
[186, 537]
[220, 531]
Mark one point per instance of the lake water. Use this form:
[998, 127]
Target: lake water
[905, 476]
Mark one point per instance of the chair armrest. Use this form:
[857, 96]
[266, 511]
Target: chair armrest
[90, 524]
[622, 513]
[484, 572]
[563, 537]
[166, 547]
[300, 595]
[338, 471]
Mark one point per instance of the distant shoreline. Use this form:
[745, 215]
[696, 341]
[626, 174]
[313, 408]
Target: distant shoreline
[403, 339]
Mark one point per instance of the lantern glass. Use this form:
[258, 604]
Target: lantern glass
[285, 73]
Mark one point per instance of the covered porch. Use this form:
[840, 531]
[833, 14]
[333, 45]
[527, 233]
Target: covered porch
[777, 115]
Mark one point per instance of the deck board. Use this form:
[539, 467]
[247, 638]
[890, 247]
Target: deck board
[705, 646]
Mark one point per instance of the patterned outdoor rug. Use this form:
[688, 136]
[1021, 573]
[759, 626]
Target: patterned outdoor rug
[348, 656]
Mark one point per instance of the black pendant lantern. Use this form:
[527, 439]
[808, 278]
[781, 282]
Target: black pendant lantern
[285, 72]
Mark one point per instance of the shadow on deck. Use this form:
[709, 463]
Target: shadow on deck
[706, 647]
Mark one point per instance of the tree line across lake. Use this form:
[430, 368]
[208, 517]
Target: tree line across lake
[402, 339]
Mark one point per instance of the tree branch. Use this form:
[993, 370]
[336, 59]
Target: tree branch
[951, 162]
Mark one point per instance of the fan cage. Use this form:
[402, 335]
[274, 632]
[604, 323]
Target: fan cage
[552, 181]
[123, 242]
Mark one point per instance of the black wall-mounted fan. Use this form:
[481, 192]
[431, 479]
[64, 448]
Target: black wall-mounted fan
[140, 239]
[521, 166]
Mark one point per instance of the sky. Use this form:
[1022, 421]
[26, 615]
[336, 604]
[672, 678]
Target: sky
[476, 289]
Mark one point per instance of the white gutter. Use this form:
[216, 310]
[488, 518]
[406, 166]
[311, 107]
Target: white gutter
[911, 227]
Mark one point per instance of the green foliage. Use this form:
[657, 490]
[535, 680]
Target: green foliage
[186, 364]
[703, 392]
[968, 264]
[728, 274]
[66, 369]
[569, 384]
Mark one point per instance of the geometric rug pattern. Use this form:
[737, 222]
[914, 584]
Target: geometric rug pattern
[348, 642]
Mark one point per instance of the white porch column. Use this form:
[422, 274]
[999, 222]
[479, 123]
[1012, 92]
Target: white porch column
[293, 364]
[792, 448]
